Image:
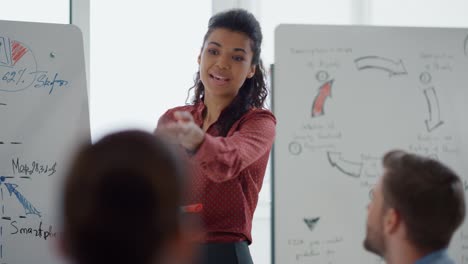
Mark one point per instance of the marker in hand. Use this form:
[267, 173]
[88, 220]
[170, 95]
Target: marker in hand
[192, 208]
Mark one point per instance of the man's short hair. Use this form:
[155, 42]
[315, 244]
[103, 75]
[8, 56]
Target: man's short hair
[122, 199]
[428, 195]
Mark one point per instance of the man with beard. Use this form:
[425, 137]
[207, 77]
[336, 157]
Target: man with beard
[417, 205]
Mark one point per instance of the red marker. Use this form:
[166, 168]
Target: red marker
[192, 208]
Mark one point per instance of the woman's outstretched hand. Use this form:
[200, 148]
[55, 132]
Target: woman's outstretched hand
[184, 131]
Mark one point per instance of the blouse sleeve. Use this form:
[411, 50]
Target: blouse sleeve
[165, 118]
[223, 158]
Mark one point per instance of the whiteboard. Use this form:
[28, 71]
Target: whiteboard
[43, 116]
[343, 96]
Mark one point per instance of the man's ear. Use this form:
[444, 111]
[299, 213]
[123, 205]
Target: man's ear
[392, 221]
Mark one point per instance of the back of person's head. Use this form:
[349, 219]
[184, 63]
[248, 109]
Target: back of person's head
[427, 194]
[122, 200]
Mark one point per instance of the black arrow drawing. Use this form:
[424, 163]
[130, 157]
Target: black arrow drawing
[13, 143]
[434, 120]
[311, 222]
[380, 63]
[347, 167]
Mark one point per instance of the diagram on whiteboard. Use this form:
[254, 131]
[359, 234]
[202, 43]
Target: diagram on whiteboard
[16, 206]
[329, 135]
[18, 66]
[10, 142]
[19, 69]
[311, 222]
[27, 206]
[343, 97]
[44, 115]
[393, 67]
[350, 168]
[433, 120]
[319, 101]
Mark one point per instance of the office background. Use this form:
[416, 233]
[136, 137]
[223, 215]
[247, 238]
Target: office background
[141, 55]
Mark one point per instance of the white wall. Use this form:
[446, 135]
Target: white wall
[143, 60]
[424, 13]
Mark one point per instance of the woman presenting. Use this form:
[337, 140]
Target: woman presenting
[227, 134]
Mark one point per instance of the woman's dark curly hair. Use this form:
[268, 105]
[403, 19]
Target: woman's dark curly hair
[253, 92]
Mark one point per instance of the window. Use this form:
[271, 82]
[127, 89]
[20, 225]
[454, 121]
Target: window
[275, 12]
[46, 11]
[427, 13]
[143, 60]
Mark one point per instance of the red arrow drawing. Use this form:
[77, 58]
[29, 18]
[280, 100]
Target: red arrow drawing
[319, 101]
